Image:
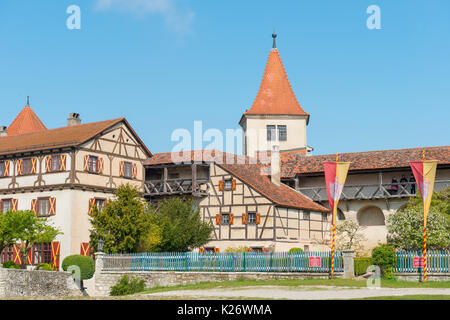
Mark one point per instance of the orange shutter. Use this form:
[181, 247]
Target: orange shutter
[48, 164]
[216, 251]
[258, 218]
[17, 258]
[121, 171]
[19, 167]
[6, 172]
[233, 184]
[217, 218]
[34, 206]
[54, 258]
[100, 164]
[14, 203]
[201, 251]
[52, 210]
[134, 171]
[33, 165]
[86, 163]
[231, 218]
[221, 185]
[85, 249]
[264, 250]
[244, 218]
[91, 206]
[62, 166]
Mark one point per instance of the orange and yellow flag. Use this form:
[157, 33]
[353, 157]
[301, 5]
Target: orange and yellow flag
[335, 175]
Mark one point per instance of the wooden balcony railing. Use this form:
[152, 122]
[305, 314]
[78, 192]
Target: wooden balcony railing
[372, 191]
[176, 186]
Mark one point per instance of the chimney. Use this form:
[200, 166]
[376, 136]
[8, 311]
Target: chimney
[275, 164]
[3, 131]
[74, 119]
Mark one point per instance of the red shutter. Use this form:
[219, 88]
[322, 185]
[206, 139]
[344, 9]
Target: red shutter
[121, 171]
[231, 218]
[91, 206]
[201, 251]
[217, 218]
[14, 203]
[6, 172]
[221, 185]
[86, 163]
[54, 258]
[62, 166]
[48, 164]
[33, 165]
[85, 249]
[258, 218]
[34, 205]
[134, 171]
[216, 251]
[233, 184]
[52, 210]
[244, 218]
[30, 254]
[17, 258]
[19, 167]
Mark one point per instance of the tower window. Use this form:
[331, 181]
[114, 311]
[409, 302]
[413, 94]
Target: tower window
[271, 133]
[282, 133]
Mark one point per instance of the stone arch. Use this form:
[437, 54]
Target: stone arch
[370, 216]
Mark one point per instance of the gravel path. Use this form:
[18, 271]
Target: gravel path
[299, 293]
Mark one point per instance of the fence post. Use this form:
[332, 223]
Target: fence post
[349, 264]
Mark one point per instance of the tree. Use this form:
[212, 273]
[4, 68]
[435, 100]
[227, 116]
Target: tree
[349, 236]
[405, 229]
[28, 230]
[124, 224]
[180, 224]
[439, 201]
[6, 233]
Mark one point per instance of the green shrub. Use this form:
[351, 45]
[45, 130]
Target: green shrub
[361, 265]
[44, 266]
[296, 250]
[85, 263]
[124, 286]
[384, 257]
[10, 265]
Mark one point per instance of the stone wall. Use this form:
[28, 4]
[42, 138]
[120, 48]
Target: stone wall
[104, 280]
[415, 276]
[36, 283]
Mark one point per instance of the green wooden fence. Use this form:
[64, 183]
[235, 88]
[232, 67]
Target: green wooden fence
[410, 261]
[224, 262]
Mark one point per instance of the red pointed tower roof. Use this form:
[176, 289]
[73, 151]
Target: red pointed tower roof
[275, 95]
[26, 122]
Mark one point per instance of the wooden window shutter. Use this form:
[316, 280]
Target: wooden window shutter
[62, 166]
[134, 171]
[14, 203]
[233, 184]
[201, 251]
[244, 218]
[55, 252]
[91, 206]
[34, 206]
[48, 164]
[6, 172]
[221, 185]
[264, 250]
[17, 258]
[217, 219]
[19, 167]
[231, 218]
[30, 254]
[86, 163]
[216, 251]
[85, 249]
[52, 210]
[121, 170]
[258, 218]
[100, 165]
[33, 165]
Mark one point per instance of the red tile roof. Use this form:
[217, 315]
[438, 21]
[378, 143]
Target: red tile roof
[295, 163]
[275, 95]
[26, 122]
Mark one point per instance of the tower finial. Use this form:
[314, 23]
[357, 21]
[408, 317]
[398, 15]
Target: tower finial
[274, 35]
[28, 100]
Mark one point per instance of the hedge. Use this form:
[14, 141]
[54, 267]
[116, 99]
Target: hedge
[85, 263]
[361, 265]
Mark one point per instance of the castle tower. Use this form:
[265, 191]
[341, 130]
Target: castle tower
[276, 117]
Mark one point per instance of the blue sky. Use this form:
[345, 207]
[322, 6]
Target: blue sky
[165, 63]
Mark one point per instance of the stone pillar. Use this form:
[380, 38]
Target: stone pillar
[349, 264]
[98, 272]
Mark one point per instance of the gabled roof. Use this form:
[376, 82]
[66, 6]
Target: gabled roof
[245, 170]
[293, 164]
[69, 136]
[275, 95]
[26, 122]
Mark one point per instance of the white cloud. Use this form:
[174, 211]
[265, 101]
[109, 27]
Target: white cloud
[177, 19]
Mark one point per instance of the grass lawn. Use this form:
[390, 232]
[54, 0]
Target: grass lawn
[294, 283]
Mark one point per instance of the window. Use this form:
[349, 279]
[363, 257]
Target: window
[324, 217]
[252, 217]
[306, 248]
[6, 205]
[100, 203]
[92, 164]
[2, 168]
[228, 184]
[43, 208]
[41, 253]
[26, 166]
[257, 249]
[209, 250]
[225, 219]
[270, 133]
[7, 254]
[127, 170]
[306, 215]
[282, 133]
[55, 163]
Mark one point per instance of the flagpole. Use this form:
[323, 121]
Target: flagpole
[333, 243]
[424, 236]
